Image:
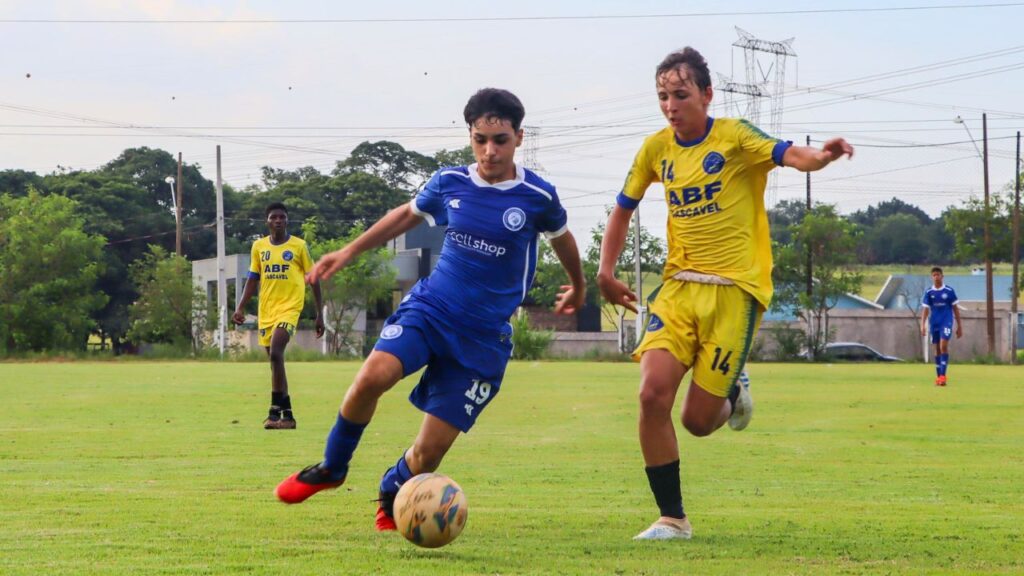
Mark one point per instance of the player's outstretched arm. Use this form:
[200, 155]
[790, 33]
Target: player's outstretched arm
[614, 290]
[572, 296]
[807, 159]
[393, 223]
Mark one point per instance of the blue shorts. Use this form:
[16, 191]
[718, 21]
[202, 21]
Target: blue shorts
[464, 368]
[941, 333]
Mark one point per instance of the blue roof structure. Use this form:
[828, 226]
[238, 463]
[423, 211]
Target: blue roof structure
[903, 289]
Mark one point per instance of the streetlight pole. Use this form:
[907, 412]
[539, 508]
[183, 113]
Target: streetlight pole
[177, 211]
[170, 180]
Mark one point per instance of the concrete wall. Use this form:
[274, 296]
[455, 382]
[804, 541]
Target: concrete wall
[579, 344]
[897, 333]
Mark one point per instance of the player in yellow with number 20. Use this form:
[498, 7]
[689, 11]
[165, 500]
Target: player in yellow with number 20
[280, 262]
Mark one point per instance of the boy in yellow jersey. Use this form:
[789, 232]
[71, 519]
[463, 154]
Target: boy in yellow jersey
[717, 279]
[280, 262]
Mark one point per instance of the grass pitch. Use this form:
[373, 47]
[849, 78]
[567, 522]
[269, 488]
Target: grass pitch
[163, 468]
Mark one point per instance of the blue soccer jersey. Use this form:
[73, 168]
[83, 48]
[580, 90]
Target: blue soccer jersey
[489, 254]
[940, 302]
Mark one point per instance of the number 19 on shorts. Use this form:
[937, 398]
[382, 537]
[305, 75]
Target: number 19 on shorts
[479, 393]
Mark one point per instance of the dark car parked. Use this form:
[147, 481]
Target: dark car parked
[854, 352]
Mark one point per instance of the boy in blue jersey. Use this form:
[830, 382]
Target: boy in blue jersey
[940, 308]
[455, 321]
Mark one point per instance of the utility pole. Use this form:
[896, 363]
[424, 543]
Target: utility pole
[222, 292]
[1016, 255]
[810, 263]
[990, 324]
[177, 209]
[810, 260]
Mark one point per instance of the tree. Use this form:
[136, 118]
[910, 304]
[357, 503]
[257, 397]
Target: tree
[867, 218]
[48, 270]
[389, 161]
[365, 280]
[461, 157]
[18, 182]
[783, 215]
[967, 225]
[170, 309]
[832, 241]
[900, 239]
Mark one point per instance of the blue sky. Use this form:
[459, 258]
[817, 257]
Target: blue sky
[260, 89]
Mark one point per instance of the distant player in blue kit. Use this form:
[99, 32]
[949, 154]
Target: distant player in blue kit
[940, 308]
[454, 322]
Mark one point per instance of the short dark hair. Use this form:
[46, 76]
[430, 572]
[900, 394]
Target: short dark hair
[276, 206]
[494, 103]
[693, 60]
[936, 269]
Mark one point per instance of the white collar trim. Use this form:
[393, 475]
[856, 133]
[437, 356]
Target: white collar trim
[503, 185]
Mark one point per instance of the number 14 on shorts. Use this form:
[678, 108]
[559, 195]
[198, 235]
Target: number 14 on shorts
[479, 393]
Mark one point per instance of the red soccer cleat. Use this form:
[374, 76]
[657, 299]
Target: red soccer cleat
[942, 380]
[384, 522]
[301, 485]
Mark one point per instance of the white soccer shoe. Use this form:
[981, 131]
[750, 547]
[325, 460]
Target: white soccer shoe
[663, 530]
[744, 409]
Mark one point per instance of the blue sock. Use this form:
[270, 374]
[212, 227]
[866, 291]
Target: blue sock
[396, 476]
[341, 443]
[943, 363]
[938, 364]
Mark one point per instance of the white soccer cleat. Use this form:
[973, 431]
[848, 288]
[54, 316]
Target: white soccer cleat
[663, 530]
[744, 408]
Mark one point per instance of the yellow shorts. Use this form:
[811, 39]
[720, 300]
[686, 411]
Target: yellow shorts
[705, 326]
[267, 329]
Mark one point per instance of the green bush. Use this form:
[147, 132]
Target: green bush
[527, 343]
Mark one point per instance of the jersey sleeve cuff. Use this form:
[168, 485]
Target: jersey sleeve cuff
[557, 233]
[626, 202]
[425, 215]
[923, 305]
[254, 275]
[780, 150]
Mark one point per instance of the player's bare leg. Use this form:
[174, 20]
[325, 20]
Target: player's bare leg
[379, 373]
[280, 417]
[661, 374]
[434, 440]
[703, 412]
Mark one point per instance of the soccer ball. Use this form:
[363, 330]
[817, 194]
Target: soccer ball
[430, 510]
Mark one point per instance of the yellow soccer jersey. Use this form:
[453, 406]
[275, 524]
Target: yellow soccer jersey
[714, 187]
[281, 270]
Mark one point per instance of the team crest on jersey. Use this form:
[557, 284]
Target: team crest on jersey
[514, 219]
[655, 323]
[391, 331]
[714, 162]
[287, 255]
[945, 296]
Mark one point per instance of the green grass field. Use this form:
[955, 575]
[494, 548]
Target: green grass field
[162, 468]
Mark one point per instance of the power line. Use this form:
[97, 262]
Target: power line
[504, 18]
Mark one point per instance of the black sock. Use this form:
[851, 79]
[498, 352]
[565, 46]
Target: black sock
[734, 394]
[276, 399]
[286, 402]
[664, 482]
